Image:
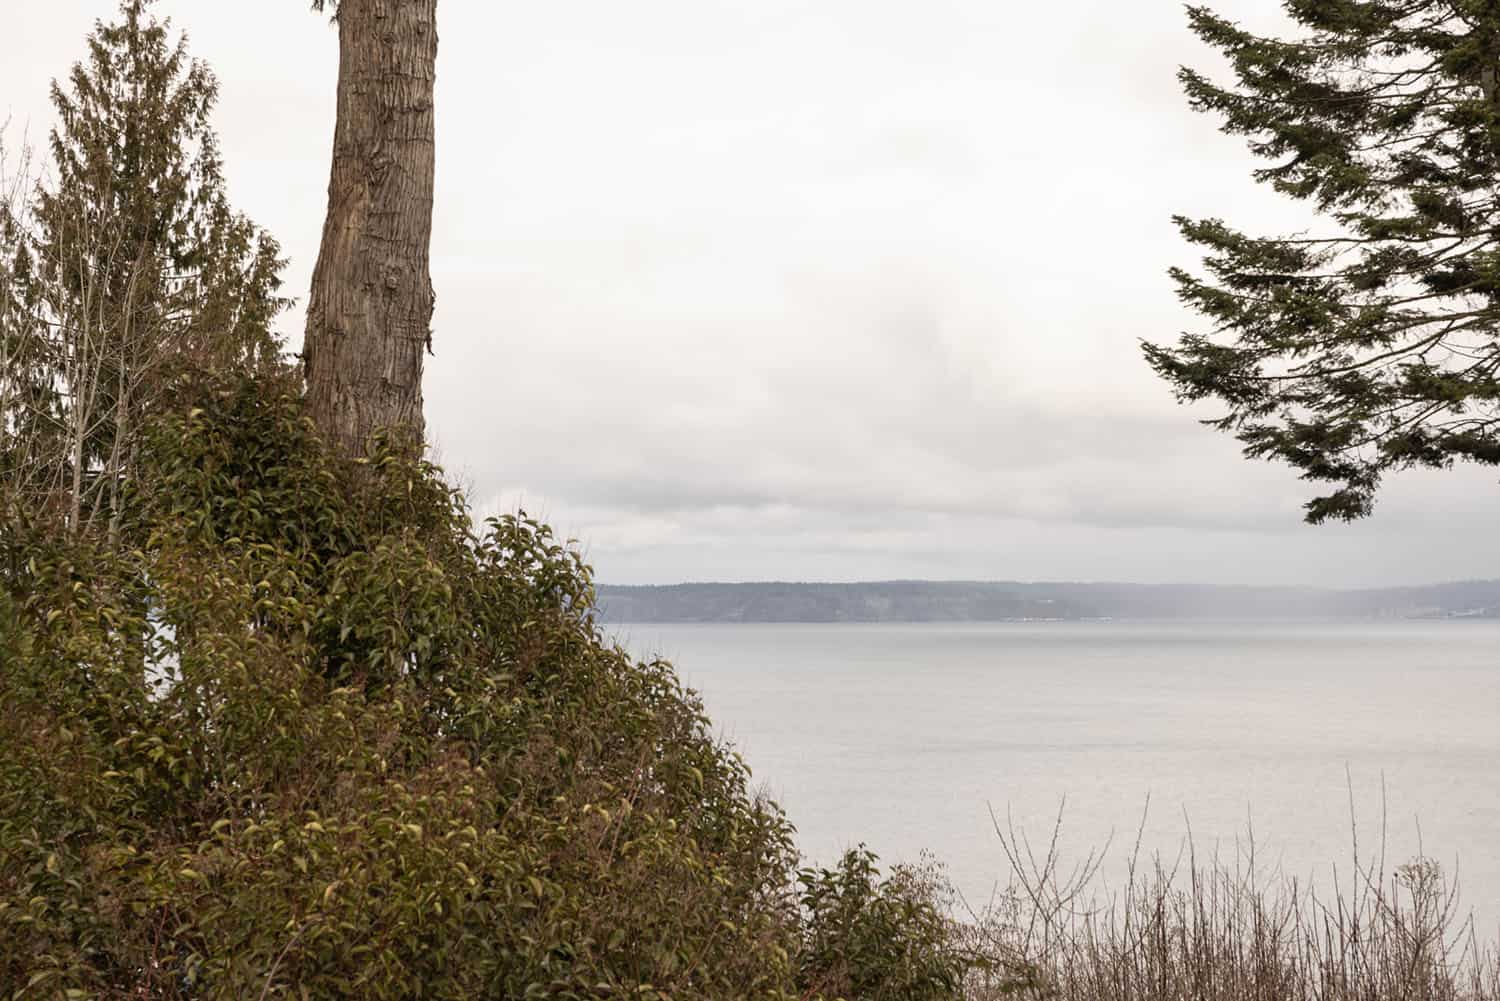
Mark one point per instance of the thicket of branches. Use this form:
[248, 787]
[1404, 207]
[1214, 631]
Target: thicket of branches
[1235, 928]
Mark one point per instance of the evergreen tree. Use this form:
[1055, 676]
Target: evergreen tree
[127, 273]
[1372, 344]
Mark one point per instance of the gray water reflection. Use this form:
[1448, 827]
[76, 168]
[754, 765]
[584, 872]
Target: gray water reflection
[904, 735]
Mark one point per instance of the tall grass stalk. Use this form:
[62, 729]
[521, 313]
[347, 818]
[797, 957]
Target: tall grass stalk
[1187, 927]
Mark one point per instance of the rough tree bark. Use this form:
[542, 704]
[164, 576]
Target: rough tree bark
[370, 311]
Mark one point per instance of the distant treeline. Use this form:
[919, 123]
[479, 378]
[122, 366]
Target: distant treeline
[964, 601]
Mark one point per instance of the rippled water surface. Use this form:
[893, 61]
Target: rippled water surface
[906, 736]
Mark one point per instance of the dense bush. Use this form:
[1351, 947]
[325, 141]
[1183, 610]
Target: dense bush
[879, 939]
[303, 731]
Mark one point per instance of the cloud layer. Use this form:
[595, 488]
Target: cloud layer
[840, 290]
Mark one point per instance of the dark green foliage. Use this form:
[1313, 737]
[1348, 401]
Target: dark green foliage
[880, 939]
[305, 732]
[309, 730]
[1371, 346]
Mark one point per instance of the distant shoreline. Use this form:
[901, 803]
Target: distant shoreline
[1014, 601]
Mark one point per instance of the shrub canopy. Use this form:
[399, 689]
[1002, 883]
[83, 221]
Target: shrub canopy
[307, 731]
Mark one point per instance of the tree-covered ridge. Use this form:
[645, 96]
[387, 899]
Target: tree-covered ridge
[1370, 346]
[1011, 601]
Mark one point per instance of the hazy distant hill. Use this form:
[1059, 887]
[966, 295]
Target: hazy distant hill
[960, 601]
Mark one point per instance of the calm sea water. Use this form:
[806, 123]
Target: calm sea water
[908, 736]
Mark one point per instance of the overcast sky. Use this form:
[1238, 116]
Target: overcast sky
[812, 289]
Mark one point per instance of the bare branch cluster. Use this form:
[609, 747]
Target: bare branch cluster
[1230, 928]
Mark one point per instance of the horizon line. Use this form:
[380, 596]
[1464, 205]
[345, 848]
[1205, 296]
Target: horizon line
[1065, 582]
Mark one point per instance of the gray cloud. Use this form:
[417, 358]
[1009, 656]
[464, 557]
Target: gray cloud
[834, 290]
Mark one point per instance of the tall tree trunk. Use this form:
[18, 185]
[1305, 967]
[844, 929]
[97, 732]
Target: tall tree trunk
[370, 312]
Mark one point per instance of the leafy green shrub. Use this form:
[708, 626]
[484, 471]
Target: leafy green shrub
[877, 939]
[305, 732]
[298, 729]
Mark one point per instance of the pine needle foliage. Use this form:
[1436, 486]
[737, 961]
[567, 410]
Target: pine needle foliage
[125, 274]
[1372, 344]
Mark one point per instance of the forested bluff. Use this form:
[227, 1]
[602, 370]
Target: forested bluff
[1009, 601]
